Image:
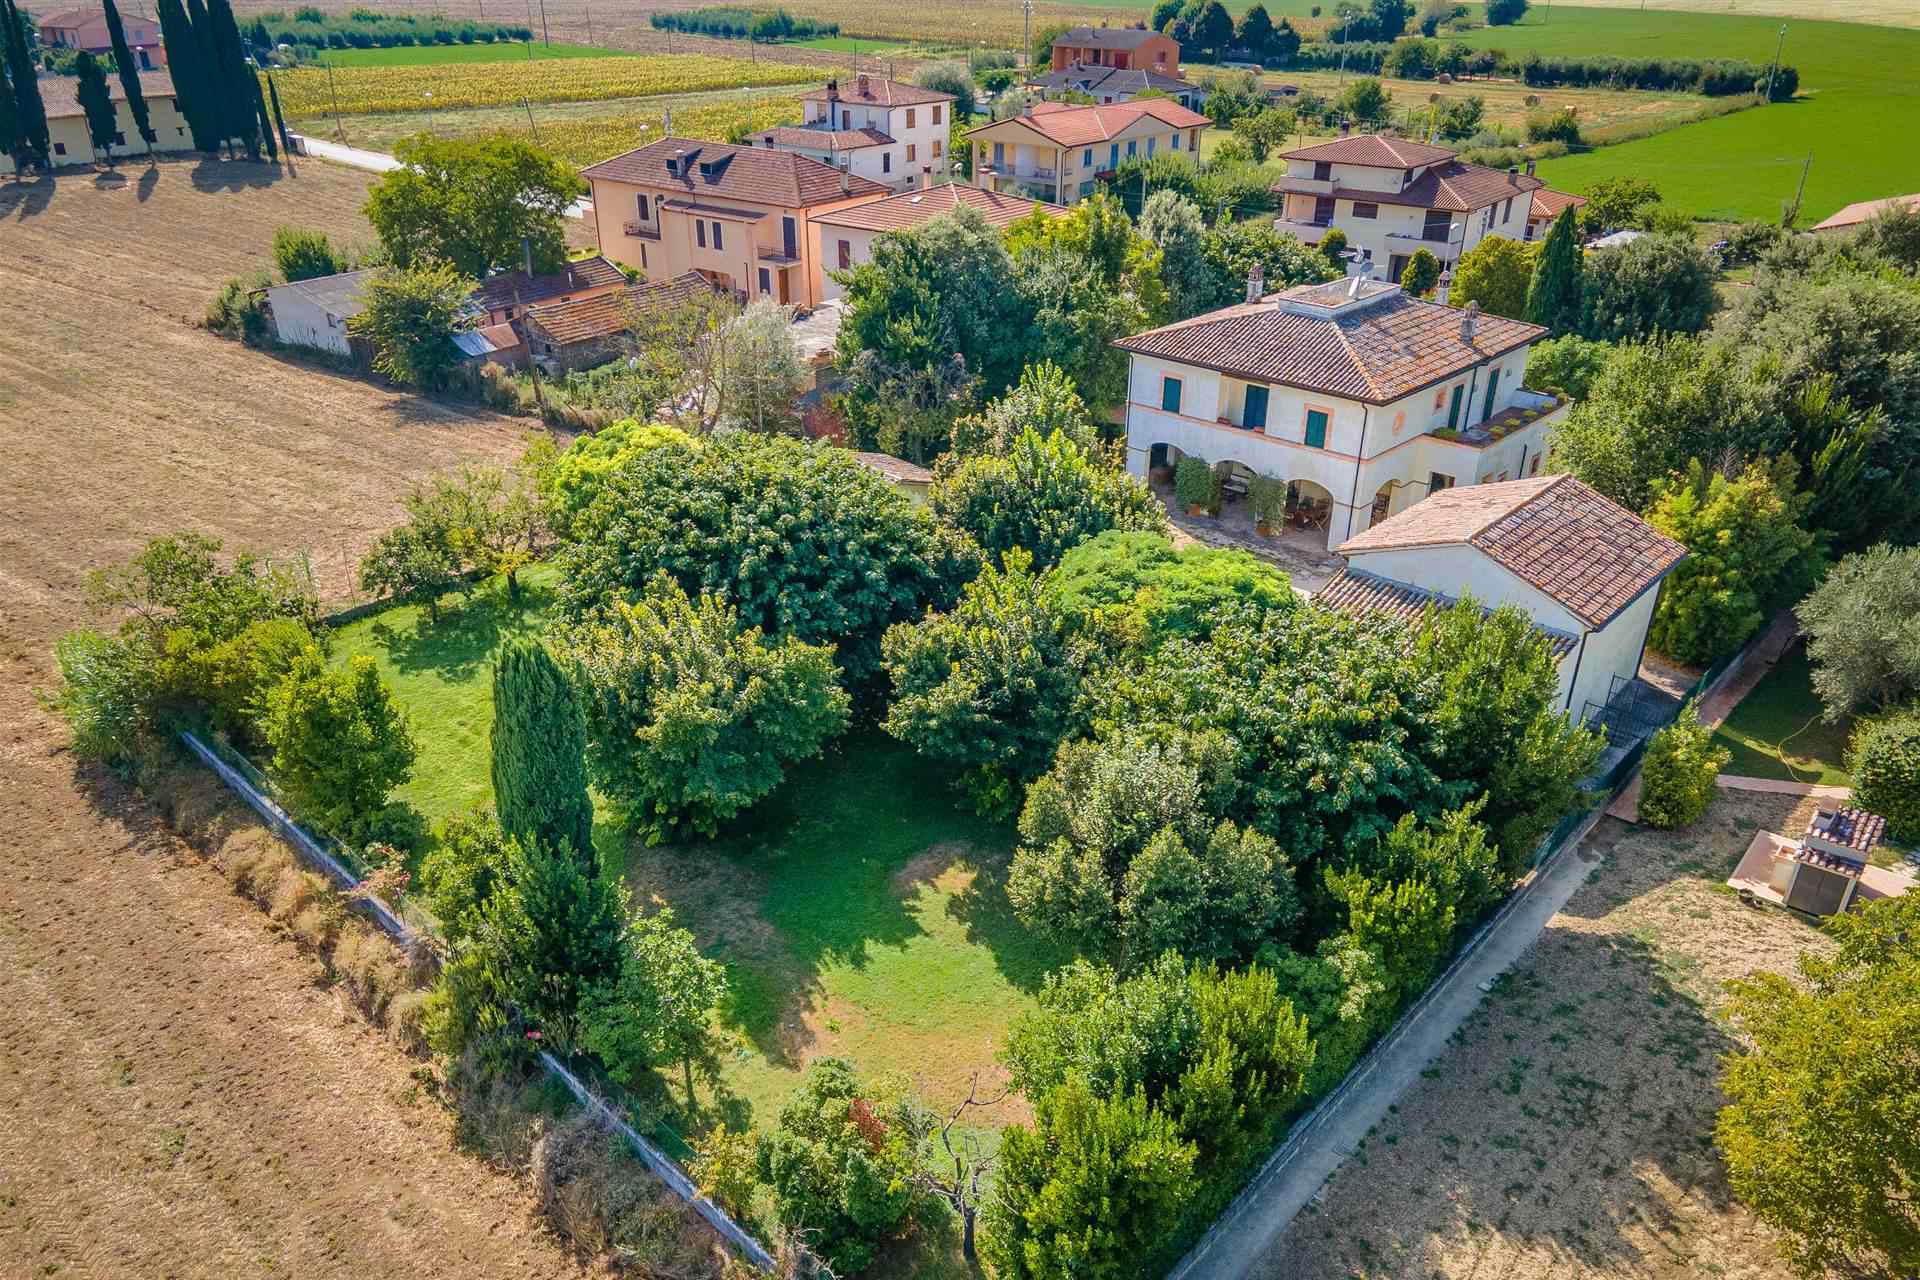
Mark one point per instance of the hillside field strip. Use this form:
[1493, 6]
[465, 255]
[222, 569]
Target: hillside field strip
[185, 1096]
[444, 54]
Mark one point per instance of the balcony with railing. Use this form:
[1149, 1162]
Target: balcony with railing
[1428, 238]
[638, 230]
[1305, 186]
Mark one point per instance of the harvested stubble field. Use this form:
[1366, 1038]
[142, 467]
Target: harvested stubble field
[580, 133]
[1598, 110]
[182, 1097]
[1567, 1132]
[452, 86]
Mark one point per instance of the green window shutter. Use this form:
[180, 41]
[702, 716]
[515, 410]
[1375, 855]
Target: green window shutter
[1493, 385]
[1453, 409]
[1316, 429]
[1170, 394]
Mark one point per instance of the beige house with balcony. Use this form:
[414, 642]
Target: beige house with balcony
[1054, 152]
[1362, 399]
[886, 132]
[742, 217]
[1393, 197]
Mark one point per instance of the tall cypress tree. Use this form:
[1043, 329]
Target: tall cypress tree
[129, 77]
[212, 88]
[30, 112]
[265, 130]
[279, 121]
[1553, 295]
[97, 102]
[183, 64]
[539, 753]
[235, 76]
[9, 111]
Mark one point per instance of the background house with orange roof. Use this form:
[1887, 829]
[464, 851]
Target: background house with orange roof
[847, 235]
[1393, 197]
[1128, 48]
[86, 29]
[742, 217]
[1547, 206]
[1054, 152]
[1585, 569]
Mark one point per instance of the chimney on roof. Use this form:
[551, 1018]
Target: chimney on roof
[1513, 174]
[1529, 168]
[1256, 282]
[676, 161]
[1345, 128]
[860, 83]
[1469, 322]
[833, 95]
[1445, 287]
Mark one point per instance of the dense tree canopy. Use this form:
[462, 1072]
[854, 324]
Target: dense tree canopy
[468, 203]
[1657, 284]
[539, 744]
[1138, 579]
[1494, 273]
[1863, 631]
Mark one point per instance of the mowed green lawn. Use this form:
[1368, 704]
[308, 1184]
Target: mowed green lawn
[1777, 730]
[1858, 114]
[430, 54]
[859, 909]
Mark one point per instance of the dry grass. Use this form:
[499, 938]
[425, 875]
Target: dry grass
[1567, 1132]
[1598, 110]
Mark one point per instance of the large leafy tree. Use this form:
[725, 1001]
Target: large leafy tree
[1821, 1131]
[990, 688]
[1657, 284]
[469, 203]
[539, 745]
[1045, 401]
[1494, 273]
[1153, 592]
[1045, 495]
[802, 539]
[1554, 292]
[1748, 555]
[1885, 763]
[1497, 720]
[340, 744]
[1235, 248]
[129, 76]
[659, 1010]
[1123, 853]
[692, 716]
[1863, 631]
[1173, 223]
[570, 479]
[409, 319]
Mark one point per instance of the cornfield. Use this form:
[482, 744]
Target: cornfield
[360, 90]
[585, 142]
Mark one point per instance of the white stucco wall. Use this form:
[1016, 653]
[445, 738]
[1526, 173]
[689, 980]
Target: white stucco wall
[1397, 229]
[298, 321]
[827, 253]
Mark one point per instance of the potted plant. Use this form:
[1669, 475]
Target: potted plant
[1268, 498]
[1193, 485]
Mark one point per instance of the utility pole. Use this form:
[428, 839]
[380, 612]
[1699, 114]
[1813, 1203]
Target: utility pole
[1777, 47]
[340, 130]
[1793, 210]
[546, 38]
[1026, 54]
[531, 126]
[589, 24]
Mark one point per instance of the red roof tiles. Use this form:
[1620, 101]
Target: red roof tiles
[1072, 126]
[1555, 533]
[605, 314]
[917, 208]
[873, 91]
[1362, 594]
[1374, 151]
[517, 288]
[757, 175]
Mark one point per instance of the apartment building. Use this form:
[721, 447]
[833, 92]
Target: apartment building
[1054, 152]
[1393, 197]
[1129, 48]
[740, 216]
[881, 130]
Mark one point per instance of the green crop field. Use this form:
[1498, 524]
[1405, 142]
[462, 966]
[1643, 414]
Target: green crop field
[435, 54]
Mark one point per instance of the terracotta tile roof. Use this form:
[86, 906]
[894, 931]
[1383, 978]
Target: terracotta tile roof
[1453, 186]
[822, 139]
[1362, 594]
[1088, 77]
[517, 288]
[718, 210]
[1375, 347]
[1849, 828]
[1373, 150]
[1851, 868]
[876, 92]
[58, 93]
[73, 18]
[1072, 126]
[917, 208]
[1104, 37]
[1552, 532]
[757, 175]
[605, 314]
[1862, 211]
[1547, 204]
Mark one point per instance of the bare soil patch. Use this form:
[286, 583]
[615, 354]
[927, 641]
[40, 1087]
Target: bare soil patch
[1568, 1132]
[183, 1098]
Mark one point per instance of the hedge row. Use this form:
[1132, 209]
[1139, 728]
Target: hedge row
[1425, 59]
[363, 31]
[738, 24]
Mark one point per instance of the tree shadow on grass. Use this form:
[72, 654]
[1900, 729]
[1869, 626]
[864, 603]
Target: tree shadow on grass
[1023, 957]
[211, 174]
[472, 626]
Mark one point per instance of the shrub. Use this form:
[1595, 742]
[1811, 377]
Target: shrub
[340, 745]
[1677, 773]
[1863, 631]
[1553, 126]
[304, 255]
[1885, 764]
[1333, 247]
[1421, 273]
[1504, 13]
[1657, 284]
[1193, 482]
[1566, 365]
[1155, 592]
[239, 311]
[659, 1011]
[693, 716]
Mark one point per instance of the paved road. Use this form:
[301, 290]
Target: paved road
[381, 162]
[1237, 1243]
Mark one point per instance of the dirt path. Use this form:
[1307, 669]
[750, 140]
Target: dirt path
[180, 1097]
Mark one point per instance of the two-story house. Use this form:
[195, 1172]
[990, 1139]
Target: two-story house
[1548, 204]
[1393, 197]
[1107, 85]
[1362, 399]
[1585, 570]
[740, 216]
[70, 141]
[1129, 48]
[86, 30]
[891, 133]
[847, 235]
[1053, 152]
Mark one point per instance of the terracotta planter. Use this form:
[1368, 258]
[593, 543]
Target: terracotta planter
[1197, 509]
[1264, 528]
[1160, 475]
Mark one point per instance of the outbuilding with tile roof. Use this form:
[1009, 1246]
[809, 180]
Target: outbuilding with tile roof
[1580, 565]
[847, 236]
[583, 332]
